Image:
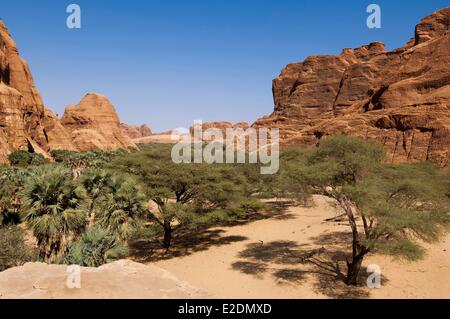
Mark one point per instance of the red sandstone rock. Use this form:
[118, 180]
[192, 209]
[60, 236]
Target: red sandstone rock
[23, 119]
[222, 126]
[25, 124]
[400, 98]
[94, 124]
[136, 131]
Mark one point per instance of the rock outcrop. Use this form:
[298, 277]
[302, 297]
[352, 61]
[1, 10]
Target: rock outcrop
[136, 131]
[221, 126]
[94, 124]
[400, 98]
[24, 124]
[120, 279]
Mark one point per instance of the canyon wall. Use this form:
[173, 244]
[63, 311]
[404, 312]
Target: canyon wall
[26, 124]
[400, 98]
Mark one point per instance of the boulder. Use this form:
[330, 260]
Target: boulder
[120, 279]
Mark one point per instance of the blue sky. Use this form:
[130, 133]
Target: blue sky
[167, 62]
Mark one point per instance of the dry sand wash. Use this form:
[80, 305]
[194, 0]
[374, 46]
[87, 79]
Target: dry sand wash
[251, 261]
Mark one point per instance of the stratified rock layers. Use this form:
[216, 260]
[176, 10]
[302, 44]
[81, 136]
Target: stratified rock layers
[400, 98]
[22, 113]
[136, 131]
[94, 124]
[25, 124]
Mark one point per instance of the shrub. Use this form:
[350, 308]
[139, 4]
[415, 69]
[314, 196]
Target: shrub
[13, 249]
[12, 180]
[24, 159]
[95, 248]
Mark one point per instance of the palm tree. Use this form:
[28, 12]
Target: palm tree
[121, 209]
[97, 184]
[95, 248]
[53, 209]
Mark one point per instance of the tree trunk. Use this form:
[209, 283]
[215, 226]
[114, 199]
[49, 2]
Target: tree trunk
[358, 250]
[167, 235]
[353, 269]
[91, 217]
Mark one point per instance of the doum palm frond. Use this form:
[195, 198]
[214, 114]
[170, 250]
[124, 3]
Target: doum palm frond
[53, 208]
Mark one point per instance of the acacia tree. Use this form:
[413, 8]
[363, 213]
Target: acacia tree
[387, 206]
[186, 194]
[53, 209]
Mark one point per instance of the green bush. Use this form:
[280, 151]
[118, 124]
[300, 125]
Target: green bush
[13, 249]
[95, 248]
[93, 159]
[12, 180]
[24, 159]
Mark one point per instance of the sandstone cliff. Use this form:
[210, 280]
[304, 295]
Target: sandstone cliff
[400, 98]
[94, 124]
[221, 126]
[136, 131]
[24, 124]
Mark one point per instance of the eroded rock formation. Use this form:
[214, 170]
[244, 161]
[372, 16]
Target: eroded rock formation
[400, 98]
[24, 124]
[136, 131]
[220, 126]
[94, 124]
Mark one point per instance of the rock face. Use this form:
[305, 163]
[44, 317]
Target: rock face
[400, 98]
[221, 126]
[94, 124]
[136, 131]
[121, 279]
[24, 124]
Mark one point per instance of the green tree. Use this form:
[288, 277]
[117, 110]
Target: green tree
[185, 194]
[97, 184]
[396, 204]
[95, 248]
[121, 208]
[79, 161]
[53, 210]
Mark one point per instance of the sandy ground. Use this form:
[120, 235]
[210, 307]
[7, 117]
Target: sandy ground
[259, 259]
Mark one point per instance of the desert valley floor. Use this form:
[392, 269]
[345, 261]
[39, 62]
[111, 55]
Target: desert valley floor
[252, 261]
[258, 258]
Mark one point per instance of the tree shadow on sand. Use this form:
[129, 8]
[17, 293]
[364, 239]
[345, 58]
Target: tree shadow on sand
[290, 262]
[184, 244]
[187, 241]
